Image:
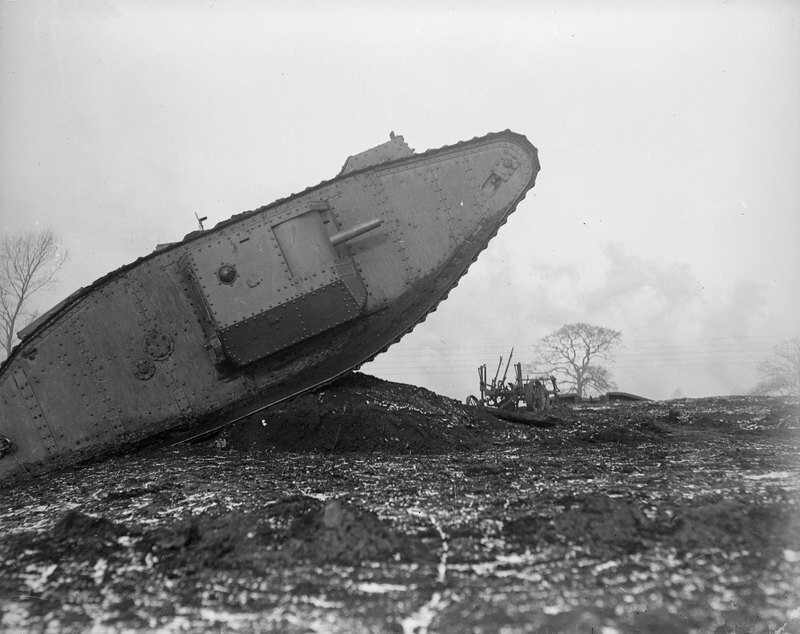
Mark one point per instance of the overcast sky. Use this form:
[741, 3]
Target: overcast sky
[668, 206]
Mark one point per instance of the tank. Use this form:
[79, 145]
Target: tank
[262, 307]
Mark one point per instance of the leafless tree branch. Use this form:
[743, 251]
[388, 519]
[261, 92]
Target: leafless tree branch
[571, 353]
[780, 374]
[28, 263]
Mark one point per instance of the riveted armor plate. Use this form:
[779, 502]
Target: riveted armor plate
[290, 281]
[42, 427]
[290, 323]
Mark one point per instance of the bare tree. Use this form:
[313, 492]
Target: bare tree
[28, 263]
[780, 373]
[572, 353]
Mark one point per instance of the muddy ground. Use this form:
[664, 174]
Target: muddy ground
[373, 506]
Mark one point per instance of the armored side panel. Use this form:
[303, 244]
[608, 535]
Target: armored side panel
[264, 306]
[274, 282]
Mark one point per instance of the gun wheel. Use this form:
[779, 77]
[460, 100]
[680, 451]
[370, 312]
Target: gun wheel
[472, 401]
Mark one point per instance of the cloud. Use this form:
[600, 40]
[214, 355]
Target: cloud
[644, 293]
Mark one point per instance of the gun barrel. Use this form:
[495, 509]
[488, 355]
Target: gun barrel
[505, 374]
[354, 232]
[496, 374]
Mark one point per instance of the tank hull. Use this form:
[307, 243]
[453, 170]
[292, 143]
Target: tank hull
[262, 307]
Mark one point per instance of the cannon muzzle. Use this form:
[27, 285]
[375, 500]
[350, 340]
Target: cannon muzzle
[354, 232]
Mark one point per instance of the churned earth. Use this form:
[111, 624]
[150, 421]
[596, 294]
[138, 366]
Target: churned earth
[374, 506]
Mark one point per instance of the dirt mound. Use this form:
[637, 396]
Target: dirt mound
[363, 413]
[195, 537]
[742, 414]
[604, 427]
[768, 527]
[296, 528]
[602, 524]
[598, 523]
[782, 416]
[337, 532]
[615, 433]
[74, 535]
[227, 541]
[75, 525]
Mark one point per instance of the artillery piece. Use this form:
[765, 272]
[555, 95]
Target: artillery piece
[513, 400]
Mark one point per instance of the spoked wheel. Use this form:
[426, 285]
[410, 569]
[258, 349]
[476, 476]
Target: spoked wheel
[472, 401]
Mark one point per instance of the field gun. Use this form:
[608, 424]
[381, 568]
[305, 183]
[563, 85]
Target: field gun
[521, 400]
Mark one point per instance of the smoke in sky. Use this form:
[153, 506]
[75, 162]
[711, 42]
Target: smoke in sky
[678, 337]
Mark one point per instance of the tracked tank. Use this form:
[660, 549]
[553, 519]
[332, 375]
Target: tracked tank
[262, 307]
